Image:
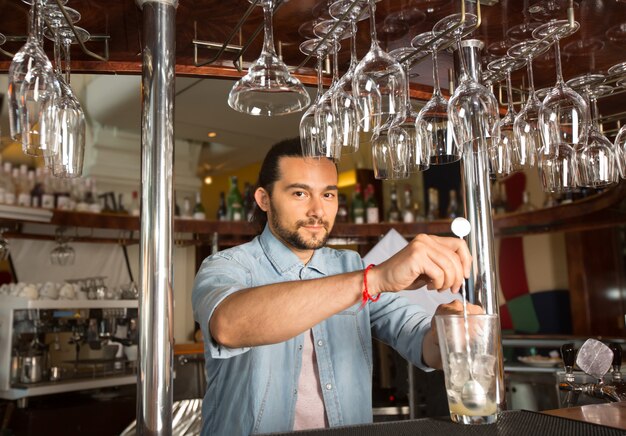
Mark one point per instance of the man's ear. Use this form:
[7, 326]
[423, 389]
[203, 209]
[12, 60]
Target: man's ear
[262, 198]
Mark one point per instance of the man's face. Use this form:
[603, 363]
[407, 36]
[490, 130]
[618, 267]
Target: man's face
[303, 203]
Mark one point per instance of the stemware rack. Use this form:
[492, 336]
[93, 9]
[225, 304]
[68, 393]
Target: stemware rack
[68, 21]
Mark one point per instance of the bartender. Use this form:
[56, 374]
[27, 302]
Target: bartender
[288, 322]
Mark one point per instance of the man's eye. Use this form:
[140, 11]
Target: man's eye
[299, 194]
[329, 195]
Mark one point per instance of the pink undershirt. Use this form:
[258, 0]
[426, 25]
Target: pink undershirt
[309, 402]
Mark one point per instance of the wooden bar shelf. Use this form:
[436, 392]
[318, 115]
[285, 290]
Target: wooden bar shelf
[603, 210]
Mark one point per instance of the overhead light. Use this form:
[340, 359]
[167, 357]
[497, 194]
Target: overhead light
[211, 134]
[208, 180]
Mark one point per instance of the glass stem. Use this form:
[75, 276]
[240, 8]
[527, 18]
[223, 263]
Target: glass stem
[464, 72]
[320, 88]
[407, 88]
[595, 119]
[335, 63]
[68, 48]
[436, 85]
[36, 22]
[353, 44]
[268, 41]
[57, 55]
[531, 79]
[373, 23]
[557, 62]
[509, 92]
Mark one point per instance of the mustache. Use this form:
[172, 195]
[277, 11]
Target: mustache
[312, 222]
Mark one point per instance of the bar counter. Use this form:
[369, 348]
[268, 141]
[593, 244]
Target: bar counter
[592, 420]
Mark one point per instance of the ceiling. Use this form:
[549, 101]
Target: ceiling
[114, 100]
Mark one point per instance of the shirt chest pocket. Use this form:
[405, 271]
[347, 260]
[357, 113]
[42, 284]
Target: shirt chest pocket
[350, 329]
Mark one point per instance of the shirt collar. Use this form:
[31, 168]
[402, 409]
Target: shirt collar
[281, 256]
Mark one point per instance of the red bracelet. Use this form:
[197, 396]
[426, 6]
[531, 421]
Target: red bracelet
[366, 293]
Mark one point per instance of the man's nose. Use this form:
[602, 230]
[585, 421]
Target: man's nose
[316, 207]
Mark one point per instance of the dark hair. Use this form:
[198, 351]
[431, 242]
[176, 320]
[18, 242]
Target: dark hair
[270, 173]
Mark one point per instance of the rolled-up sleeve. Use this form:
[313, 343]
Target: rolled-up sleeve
[218, 277]
[402, 325]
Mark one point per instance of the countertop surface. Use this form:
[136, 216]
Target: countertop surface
[609, 414]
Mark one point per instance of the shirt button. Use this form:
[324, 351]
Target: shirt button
[320, 342]
[328, 386]
[295, 392]
[299, 347]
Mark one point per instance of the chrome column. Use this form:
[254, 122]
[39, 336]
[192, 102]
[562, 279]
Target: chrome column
[483, 282]
[154, 382]
[483, 285]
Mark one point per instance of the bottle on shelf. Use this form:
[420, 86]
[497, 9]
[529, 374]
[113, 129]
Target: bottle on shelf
[234, 201]
[37, 191]
[408, 212]
[135, 207]
[526, 205]
[358, 206]
[222, 210]
[453, 205]
[498, 202]
[198, 210]
[393, 214]
[186, 211]
[371, 207]
[417, 212]
[248, 201]
[433, 204]
[9, 186]
[24, 182]
[47, 196]
[342, 209]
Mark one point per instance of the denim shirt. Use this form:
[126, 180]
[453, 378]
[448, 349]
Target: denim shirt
[253, 390]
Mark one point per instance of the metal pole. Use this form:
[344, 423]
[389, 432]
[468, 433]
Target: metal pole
[154, 381]
[483, 284]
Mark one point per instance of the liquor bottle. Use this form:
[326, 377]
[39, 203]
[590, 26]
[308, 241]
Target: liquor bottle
[393, 215]
[234, 201]
[371, 207]
[186, 211]
[37, 191]
[248, 201]
[135, 207]
[2, 183]
[342, 209]
[433, 204]
[222, 210]
[9, 189]
[408, 213]
[453, 205]
[47, 196]
[417, 212]
[198, 209]
[526, 205]
[23, 196]
[358, 206]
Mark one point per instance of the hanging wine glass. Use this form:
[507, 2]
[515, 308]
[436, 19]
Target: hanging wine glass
[329, 124]
[345, 105]
[432, 125]
[268, 88]
[505, 155]
[620, 151]
[526, 125]
[563, 120]
[596, 158]
[66, 117]
[412, 156]
[309, 131]
[378, 83]
[472, 109]
[32, 84]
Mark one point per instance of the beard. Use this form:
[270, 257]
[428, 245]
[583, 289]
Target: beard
[294, 238]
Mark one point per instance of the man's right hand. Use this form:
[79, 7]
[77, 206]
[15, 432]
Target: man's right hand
[437, 262]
